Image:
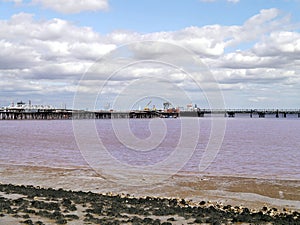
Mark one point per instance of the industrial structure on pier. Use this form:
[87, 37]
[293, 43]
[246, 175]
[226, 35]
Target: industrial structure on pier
[23, 111]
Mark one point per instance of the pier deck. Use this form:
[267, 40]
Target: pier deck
[55, 114]
[81, 114]
[252, 113]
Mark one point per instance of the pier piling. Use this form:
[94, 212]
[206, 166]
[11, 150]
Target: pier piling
[53, 114]
[261, 114]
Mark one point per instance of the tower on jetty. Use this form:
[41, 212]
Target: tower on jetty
[23, 111]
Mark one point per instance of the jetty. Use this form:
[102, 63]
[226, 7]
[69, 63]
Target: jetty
[252, 113]
[22, 111]
[82, 114]
[65, 114]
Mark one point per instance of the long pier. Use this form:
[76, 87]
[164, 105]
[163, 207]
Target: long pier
[65, 114]
[252, 113]
[54, 114]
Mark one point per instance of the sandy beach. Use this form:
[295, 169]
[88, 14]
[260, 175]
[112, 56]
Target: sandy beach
[224, 199]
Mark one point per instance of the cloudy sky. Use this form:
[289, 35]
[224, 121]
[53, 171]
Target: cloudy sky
[109, 52]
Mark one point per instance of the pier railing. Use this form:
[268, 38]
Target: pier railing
[57, 114]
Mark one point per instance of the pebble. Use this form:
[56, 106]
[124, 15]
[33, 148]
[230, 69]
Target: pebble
[111, 208]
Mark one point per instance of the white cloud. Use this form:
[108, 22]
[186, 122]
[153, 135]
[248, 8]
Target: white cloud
[268, 20]
[68, 6]
[53, 49]
[73, 6]
[53, 54]
[278, 43]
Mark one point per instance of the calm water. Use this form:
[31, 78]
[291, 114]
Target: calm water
[251, 147]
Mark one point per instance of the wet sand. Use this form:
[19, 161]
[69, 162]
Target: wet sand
[215, 196]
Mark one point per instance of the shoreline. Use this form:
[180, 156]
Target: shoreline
[212, 191]
[36, 205]
[233, 189]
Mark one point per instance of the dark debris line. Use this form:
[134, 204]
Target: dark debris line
[61, 206]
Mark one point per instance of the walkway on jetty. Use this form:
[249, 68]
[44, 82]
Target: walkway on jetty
[54, 114]
[60, 114]
[252, 113]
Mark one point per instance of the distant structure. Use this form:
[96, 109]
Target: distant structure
[21, 106]
[23, 111]
[166, 105]
[191, 107]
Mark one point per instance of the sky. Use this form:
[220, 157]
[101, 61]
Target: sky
[100, 54]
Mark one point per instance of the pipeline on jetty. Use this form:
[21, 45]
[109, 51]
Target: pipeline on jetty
[23, 111]
[60, 114]
[252, 113]
[64, 114]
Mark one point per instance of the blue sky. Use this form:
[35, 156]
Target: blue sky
[250, 47]
[157, 15]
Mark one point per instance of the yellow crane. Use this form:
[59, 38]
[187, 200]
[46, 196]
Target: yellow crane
[147, 106]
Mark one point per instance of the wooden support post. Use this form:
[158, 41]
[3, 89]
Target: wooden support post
[231, 114]
[261, 115]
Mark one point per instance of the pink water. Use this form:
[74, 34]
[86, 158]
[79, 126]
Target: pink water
[268, 148]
